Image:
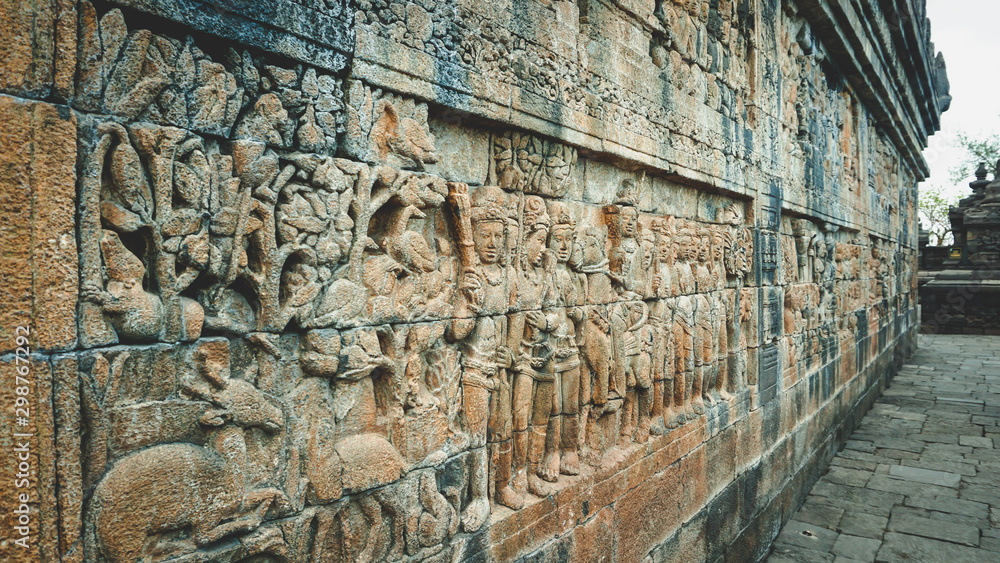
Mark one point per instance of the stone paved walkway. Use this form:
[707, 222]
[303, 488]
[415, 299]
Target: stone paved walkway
[919, 480]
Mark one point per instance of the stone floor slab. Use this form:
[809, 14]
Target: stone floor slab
[930, 447]
[904, 487]
[784, 553]
[864, 525]
[861, 549]
[951, 505]
[845, 476]
[927, 476]
[809, 536]
[820, 514]
[975, 441]
[898, 547]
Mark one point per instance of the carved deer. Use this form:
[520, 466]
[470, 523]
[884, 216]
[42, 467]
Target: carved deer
[172, 499]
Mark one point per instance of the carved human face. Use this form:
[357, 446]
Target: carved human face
[648, 248]
[561, 244]
[630, 221]
[680, 247]
[591, 250]
[690, 246]
[704, 248]
[534, 247]
[664, 248]
[718, 247]
[488, 238]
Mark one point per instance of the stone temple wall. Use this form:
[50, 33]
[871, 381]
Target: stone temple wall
[366, 280]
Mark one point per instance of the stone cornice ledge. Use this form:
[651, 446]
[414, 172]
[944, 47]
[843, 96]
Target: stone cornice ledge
[839, 28]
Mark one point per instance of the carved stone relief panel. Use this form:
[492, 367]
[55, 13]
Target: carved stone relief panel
[324, 320]
[384, 328]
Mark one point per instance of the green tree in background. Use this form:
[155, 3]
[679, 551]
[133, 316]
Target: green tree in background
[933, 206]
[977, 149]
[934, 201]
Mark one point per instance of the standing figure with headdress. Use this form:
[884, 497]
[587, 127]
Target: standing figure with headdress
[663, 288]
[625, 260]
[480, 324]
[684, 320]
[534, 383]
[626, 254]
[569, 288]
[705, 320]
[637, 353]
[589, 259]
[648, 267]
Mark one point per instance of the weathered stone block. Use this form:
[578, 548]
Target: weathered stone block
[29, 476]
[431, 281]
[38, 237]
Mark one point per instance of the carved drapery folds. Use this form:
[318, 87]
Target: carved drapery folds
[394, 330]
[302, 341]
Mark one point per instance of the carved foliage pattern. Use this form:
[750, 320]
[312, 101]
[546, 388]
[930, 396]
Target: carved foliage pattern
[306, 347]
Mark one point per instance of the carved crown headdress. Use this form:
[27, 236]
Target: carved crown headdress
[488, 205]
[628, 193]
[535, 215]
[561, 219]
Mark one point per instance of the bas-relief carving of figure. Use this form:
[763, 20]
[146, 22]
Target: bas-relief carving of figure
[481, 326]
[684, 321]
[531, 164]
[595, 342]
[663, 284]
[201, 488]
[534, 376]
[735, 358]
[686, 253]
[164, 221]
[315, 423]
[637, 354]
[565, 305]
[704, 348]
[818, 257]
[384, 127]
[648, 266]
[666, 395]
[719, 385]
[343, 453]
[134, 313]
[717, 253]
[522, 315]
[626, 254]
[704, 277]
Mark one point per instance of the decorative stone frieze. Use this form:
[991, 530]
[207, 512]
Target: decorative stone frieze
[407, 281]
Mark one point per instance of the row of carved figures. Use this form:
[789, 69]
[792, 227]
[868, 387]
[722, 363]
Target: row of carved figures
[582, 339]
[180, 236]
[546, 346]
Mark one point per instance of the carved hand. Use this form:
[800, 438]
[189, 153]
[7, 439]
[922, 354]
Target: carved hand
[504, 357]
[472, 287]
[537, 320]
[93, 293]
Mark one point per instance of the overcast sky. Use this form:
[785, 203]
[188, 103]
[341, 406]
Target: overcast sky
[966, 32]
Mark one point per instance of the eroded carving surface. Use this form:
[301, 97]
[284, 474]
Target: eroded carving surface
[303, 338]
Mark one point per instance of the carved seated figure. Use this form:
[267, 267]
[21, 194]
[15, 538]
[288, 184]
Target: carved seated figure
[136, 314]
